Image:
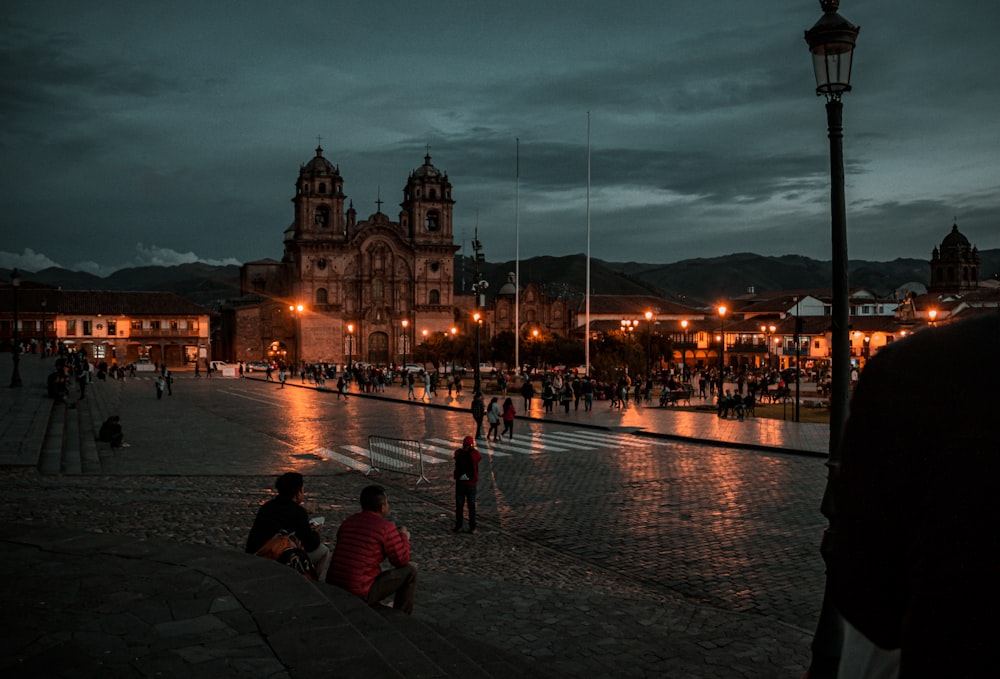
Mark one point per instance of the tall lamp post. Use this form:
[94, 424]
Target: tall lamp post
[628, 326]
[649, 342]
[831, 41]
[479, 289]
[768, 331]
[350, 347]
[477, 378]
[44, 304]
[684, 343]
[722, 350]
[405, 323]
[933, 316]
[15, 375]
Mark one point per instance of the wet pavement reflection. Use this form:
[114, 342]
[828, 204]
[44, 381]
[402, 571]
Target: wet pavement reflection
[735, 528]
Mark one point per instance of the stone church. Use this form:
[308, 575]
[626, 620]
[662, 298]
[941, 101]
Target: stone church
[349, 289]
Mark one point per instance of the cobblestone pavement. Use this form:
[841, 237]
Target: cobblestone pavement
[688, 559]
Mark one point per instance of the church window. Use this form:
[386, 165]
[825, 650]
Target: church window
[434, 297]
[322, 187]
[320, 263]
[322, 217]
[378, 289]
[433, 221]
[432, 194]
[435, 266]
[321, 296]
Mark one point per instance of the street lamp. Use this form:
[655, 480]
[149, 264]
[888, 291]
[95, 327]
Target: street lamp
[405, 323]
[534, 336]
[454, 331]
[684, 343]
[831, 41]
[933, 314]
[350, 347]
[44, 304]
[722, 350]
[424, 333]
[767, 331]
[628, 326]
[15, 375]
[476, 383]
[297, 309]
[649, 342]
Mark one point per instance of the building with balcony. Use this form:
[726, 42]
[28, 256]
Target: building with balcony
[116, 327]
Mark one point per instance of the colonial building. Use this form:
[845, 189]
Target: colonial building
[107, 325]
[349, 289]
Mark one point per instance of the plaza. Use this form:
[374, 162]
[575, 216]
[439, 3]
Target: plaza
[638, 543]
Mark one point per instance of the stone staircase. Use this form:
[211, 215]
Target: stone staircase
[70, 444]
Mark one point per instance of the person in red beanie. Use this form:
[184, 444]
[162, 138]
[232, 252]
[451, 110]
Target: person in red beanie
[466, 478]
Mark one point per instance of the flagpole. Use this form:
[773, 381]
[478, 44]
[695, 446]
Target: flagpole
[586, 327]
[517, 258]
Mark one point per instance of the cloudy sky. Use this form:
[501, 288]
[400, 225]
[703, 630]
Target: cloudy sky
[163, 132]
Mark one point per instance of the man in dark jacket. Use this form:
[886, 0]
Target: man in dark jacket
[911, 550]
[466, 478]
[478, 413]
[285, 512]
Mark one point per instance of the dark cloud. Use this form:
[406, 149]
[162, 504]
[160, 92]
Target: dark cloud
[182, 125]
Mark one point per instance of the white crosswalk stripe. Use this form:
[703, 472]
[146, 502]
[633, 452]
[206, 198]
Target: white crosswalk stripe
[343, 459]
[606, 438]
[450, 452]
[439, 451]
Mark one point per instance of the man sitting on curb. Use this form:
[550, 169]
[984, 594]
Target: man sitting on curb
[364, 541]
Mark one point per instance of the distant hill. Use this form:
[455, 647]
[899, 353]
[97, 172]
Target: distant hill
[203, 284]
[690, 281]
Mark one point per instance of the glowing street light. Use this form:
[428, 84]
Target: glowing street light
[350, 345]
[831, 42]
[405, 323]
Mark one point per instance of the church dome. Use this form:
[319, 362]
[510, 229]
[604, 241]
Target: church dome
[508, 288]
[955, 239]
[427, 170]
[319, 166]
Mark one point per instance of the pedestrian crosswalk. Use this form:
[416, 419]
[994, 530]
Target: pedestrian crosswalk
[437, 451]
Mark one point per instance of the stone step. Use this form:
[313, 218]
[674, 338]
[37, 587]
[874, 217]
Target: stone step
[50, 459]
[420, 649]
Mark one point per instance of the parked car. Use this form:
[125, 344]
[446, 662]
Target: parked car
[487, 369]
[452, 368]
[255, 366]
[412, 368]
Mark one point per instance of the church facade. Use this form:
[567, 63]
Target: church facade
[347, 289]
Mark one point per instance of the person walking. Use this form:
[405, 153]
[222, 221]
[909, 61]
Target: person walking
[168, 377]
[160, 384]
[508, 419]
[478, 412]
[493, 416]
[588, 394]
[410, 381]
[527, 393]
[466, 479]
[341, 388]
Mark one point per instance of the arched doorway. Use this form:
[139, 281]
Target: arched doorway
[378, 348]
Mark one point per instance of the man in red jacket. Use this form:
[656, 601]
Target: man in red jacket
[364, 541]
[466, 477]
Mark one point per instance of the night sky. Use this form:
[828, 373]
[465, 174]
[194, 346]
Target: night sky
[142, 133]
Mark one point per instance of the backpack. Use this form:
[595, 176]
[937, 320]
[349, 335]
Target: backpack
[464, 466]
[285, 548]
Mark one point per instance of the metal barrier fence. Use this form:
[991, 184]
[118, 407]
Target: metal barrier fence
[397, 455]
